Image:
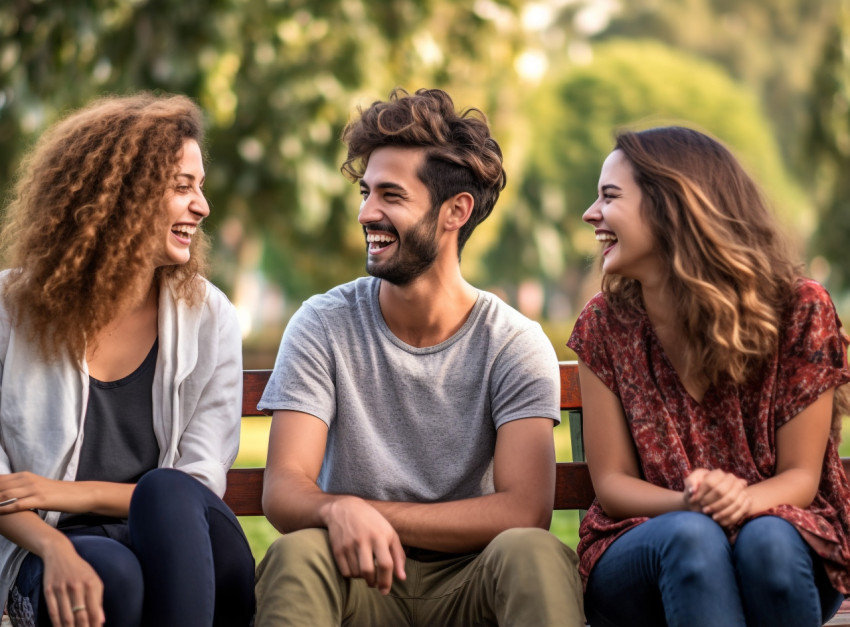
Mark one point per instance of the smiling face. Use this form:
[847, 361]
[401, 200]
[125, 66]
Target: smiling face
[400, 228]
[186, 206]
[628, 244]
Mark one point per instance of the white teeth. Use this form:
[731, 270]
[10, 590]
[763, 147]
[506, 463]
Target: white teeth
[185, 230]
[380, 238]
[606, 237]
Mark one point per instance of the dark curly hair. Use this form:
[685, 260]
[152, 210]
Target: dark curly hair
[85, 214]
[460, 154]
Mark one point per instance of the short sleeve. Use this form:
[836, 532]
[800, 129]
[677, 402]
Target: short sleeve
[303, 376]
[588, 340]
[812, 352]
[526, 382]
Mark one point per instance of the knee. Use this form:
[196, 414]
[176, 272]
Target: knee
[533, 552]
[771, 551]
[161, 486]
[296, 553]
[694, 541]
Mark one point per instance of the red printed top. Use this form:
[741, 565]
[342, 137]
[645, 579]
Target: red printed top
[734, 426]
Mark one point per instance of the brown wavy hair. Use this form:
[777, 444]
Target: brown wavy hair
[730, 272]
[86, 216]
[460, 154]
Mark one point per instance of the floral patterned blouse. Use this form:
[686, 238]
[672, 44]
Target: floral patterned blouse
[734, 426]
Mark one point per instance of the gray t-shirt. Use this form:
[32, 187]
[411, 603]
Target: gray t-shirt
[405, 423]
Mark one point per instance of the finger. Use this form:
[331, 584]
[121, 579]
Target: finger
[66, 615]
[735, 513]
[383, 569]
[705, 485]
[341, 559]
[717, 485]
[366, 564]
[52, 606]
[80, 612]
[94, 604]
[399, 559]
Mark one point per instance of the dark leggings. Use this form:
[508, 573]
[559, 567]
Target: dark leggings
[181, 560]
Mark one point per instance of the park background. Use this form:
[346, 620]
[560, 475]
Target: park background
[278, 80]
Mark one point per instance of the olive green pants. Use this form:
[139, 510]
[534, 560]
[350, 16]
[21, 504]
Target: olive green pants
[524, 577]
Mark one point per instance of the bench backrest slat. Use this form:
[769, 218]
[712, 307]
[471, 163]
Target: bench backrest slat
[573, 488]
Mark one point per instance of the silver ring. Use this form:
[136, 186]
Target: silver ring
[9, 501]
[78, 608]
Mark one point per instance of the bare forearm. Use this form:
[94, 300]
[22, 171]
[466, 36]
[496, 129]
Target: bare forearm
[623, 496]
[792, 487]
[465, 525]
[29, 531]
[291, 501]
[24, 491]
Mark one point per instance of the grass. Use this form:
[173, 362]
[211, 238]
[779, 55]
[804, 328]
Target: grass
[252, 452]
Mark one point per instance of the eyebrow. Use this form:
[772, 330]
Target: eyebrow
[610, 186]
[384, 185]
[191, 177]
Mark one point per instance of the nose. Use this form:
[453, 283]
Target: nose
[593, 213]
[369, 211]
[200, 206]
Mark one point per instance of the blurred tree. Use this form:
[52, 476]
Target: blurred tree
[828, 143]
[770, 45]
[576, 110]
[278, 80]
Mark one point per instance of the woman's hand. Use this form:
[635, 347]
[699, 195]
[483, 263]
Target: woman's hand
[21, 491]
[72, 590]
[718, 494]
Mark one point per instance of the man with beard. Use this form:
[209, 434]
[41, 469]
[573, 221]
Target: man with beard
[411, 462]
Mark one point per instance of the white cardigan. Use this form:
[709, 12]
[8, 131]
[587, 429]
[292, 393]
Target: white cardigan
[197, 402]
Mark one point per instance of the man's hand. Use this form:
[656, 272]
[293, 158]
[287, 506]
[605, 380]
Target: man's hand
[364, 543]
[72, 590]
[718, 494]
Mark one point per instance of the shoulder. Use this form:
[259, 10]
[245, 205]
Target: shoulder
[811, 304]
[348, 296]
[809, 292]
[497, 314]
[508, 332]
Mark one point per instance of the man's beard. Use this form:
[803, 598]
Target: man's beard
[413, 259]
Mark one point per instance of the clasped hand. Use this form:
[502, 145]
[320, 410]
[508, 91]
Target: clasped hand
[364, 543]
[718, 494]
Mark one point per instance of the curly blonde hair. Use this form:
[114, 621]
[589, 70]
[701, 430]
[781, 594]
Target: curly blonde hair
[86, 216]
[731, 274]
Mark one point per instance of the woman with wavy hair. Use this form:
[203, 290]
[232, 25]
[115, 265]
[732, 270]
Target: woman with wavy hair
[709, 371]
[121, 381]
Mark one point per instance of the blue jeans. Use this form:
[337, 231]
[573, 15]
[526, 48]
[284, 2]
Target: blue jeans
[679, 569]
[180, 560]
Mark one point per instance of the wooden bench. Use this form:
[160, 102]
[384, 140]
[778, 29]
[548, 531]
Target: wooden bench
[573, 488]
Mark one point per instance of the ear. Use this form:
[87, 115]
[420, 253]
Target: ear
[459, 208]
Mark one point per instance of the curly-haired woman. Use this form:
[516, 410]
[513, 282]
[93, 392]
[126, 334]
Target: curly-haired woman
[709, 370]
[121, 381]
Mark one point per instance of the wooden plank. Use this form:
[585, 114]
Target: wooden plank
[570, 389]
[573, 489]
[253, 384]
[244, 492]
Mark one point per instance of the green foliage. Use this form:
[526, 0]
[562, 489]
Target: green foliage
[577, 109]
[828, 143]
